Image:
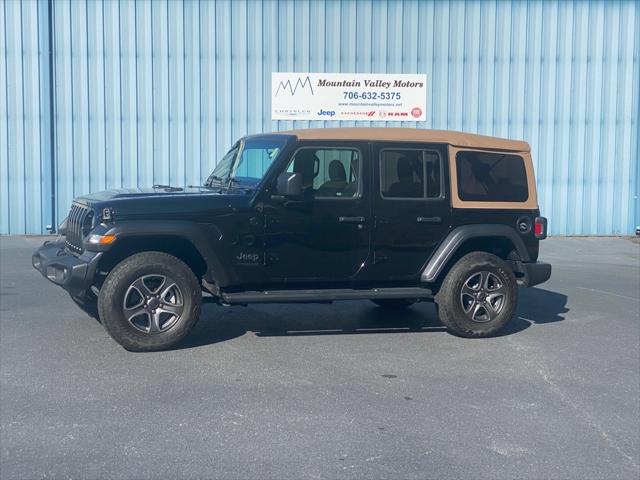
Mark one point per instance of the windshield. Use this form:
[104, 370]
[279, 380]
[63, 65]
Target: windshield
[247, 161]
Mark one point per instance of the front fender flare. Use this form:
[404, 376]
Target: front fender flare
[202, 236]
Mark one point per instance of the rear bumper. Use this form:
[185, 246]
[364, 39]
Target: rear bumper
[74, 274]
[535, 273]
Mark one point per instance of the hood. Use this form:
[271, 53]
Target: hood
[130, 193]
[166, 202]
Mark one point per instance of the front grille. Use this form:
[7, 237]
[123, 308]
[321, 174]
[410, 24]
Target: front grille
[78, 227]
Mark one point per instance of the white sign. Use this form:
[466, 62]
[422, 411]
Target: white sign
[349, 96]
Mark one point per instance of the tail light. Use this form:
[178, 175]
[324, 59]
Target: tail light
[540, 228]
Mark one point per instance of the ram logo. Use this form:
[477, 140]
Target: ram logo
[292, 87]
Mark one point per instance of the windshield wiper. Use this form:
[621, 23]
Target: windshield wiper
[205, 185]
[248, 188]
[168, 188]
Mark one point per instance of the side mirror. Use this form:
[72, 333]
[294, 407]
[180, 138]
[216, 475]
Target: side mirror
[289, 184]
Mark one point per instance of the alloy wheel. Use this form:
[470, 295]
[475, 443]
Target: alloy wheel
[153, 303]
[483, 297]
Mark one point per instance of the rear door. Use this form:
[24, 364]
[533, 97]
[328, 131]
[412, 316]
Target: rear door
[411, 208]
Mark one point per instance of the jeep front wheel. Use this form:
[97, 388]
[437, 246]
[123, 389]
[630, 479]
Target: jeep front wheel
[478, 296]
[150, 301]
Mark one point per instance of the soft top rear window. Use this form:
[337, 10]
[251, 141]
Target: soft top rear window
[491, 177]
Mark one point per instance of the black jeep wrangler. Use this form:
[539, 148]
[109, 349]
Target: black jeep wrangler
[392, 215]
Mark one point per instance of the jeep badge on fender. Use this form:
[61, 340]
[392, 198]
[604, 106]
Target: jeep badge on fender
[393, 215]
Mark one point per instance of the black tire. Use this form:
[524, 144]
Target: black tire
[120, 287]
[394, 303]
[88, 304]
[458, 300]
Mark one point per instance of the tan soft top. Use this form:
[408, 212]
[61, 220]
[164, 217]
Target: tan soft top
[392, 134]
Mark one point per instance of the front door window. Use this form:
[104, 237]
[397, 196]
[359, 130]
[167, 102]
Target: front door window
[328, 172]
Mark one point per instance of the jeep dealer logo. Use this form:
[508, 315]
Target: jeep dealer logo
[348, 113]
[348, 96]
[303, 85]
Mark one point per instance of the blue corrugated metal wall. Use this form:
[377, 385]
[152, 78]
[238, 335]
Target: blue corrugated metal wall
[156, 91]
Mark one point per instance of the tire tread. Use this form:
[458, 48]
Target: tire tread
[118, 330]
[449, 310]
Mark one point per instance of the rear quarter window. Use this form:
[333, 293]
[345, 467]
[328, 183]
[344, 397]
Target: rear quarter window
[491, 177]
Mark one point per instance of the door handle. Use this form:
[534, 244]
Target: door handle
[351, 219]
[429, 219]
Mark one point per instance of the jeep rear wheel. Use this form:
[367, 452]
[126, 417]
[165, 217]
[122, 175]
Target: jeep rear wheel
[150, 301]
[478, 295]
[394, 303]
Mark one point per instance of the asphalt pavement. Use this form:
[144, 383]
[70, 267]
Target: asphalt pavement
[331, 391]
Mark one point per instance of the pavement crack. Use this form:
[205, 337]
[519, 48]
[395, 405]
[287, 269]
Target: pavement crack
[581, 413]
[609, 293]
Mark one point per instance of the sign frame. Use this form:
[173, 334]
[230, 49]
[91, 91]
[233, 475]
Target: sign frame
[367, 97]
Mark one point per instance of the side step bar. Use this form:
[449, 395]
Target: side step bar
[324, 295]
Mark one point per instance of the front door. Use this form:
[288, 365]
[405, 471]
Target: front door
[412, 212]
[324, 237]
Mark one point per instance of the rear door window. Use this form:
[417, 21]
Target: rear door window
[410, 173]
[491, 177]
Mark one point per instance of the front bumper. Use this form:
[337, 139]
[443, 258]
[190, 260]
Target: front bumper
[535, 273]
[56, 263]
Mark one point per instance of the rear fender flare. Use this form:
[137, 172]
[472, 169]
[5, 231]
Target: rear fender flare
[458, 236]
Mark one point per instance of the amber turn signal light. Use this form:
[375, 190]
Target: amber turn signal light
[102, 239]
